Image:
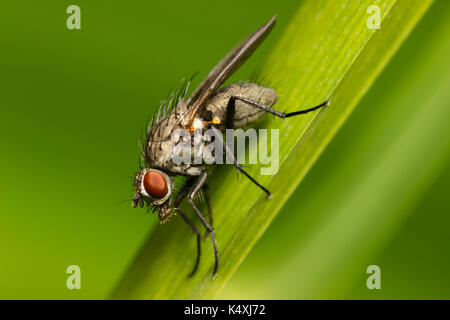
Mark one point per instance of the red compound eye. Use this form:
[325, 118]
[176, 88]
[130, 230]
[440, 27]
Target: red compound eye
[155, 184]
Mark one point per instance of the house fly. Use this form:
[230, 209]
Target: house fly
[207, 107]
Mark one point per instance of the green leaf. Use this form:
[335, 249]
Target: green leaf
[353, 204]
[327, 51]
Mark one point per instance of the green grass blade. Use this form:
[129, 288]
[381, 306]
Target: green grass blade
[369, 179]
[326, 51]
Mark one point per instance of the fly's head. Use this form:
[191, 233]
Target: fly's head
[155, 188]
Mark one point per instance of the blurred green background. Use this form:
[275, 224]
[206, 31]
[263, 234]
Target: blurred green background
[74, 102]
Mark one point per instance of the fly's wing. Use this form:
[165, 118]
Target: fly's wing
[225, 68]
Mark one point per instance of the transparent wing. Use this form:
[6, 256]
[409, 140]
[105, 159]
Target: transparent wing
[225, 68]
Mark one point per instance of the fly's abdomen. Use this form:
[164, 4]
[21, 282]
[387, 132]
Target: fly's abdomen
[244, 113]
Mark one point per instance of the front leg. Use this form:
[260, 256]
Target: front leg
[196, 187]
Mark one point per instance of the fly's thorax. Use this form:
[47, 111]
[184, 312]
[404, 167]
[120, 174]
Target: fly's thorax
[159, 145]
[162, 130]
[216, 106]
[163, 154]
[162, 144]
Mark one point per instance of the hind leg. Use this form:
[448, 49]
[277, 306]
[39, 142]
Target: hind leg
[231, 110]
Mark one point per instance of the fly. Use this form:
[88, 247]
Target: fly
[208, 107]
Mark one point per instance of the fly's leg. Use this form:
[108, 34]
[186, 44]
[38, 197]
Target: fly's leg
[208, 205]
[197, 233]
[232, 105]
[178, 200]
[196, 187]
[230, 155]
[229, 123]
